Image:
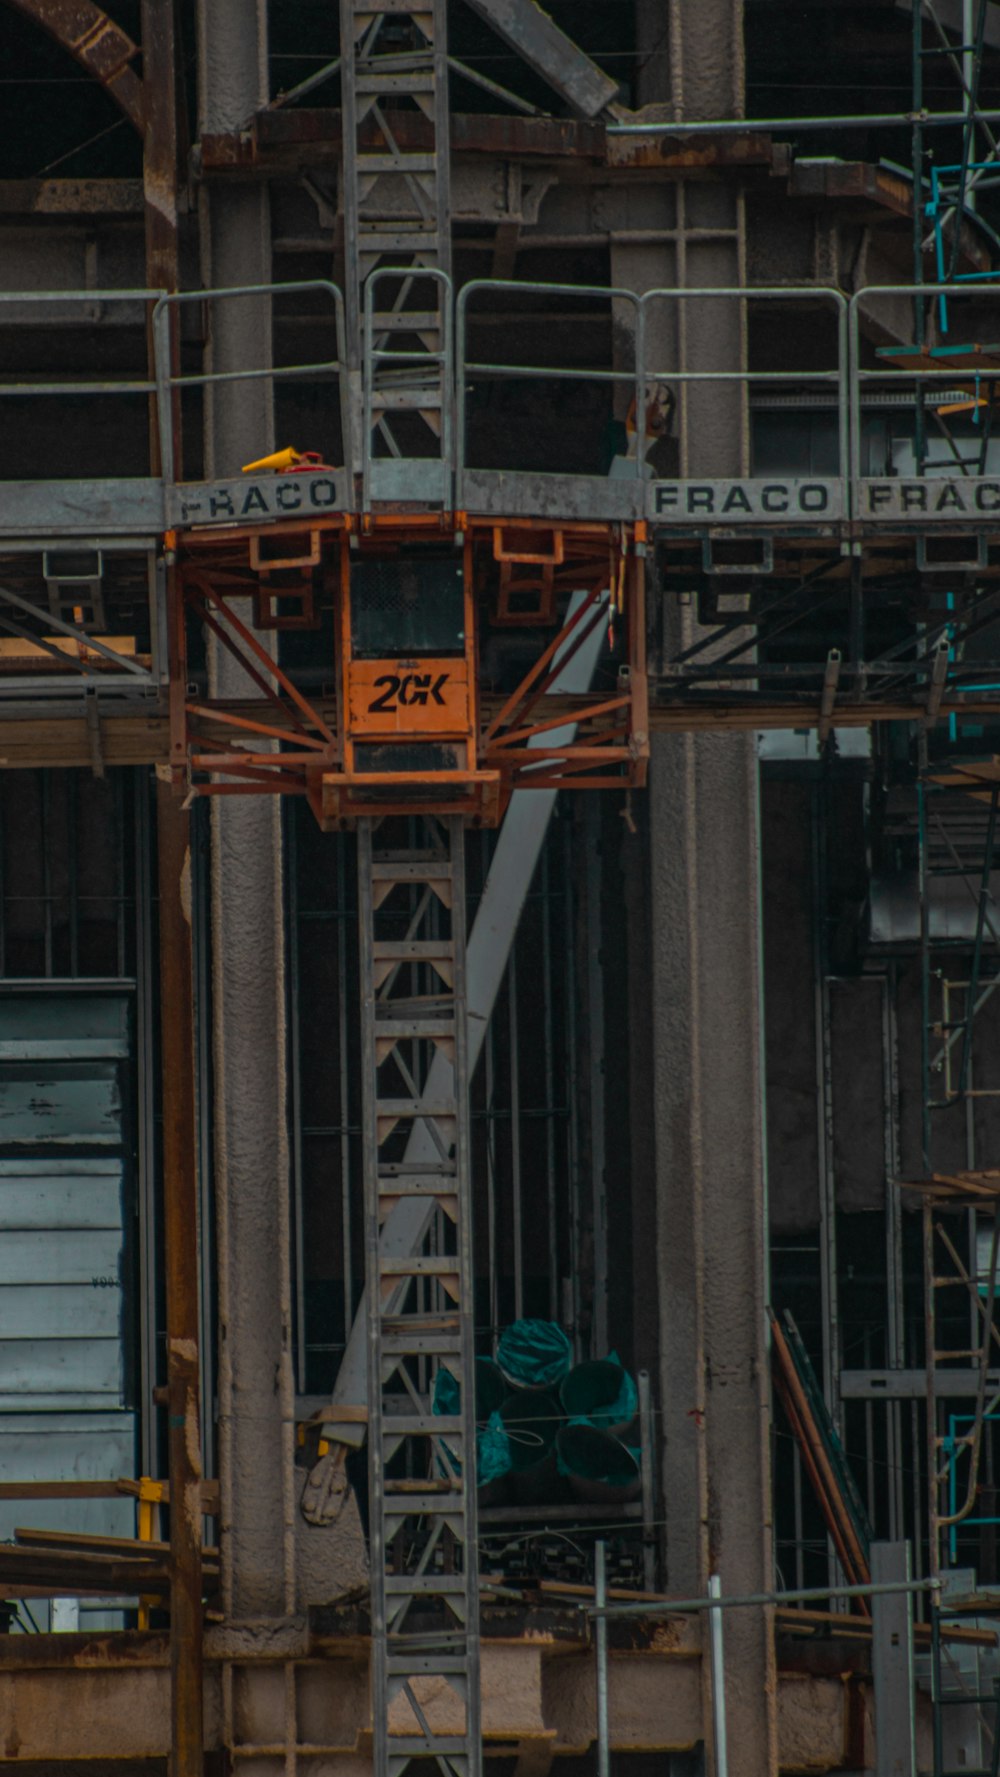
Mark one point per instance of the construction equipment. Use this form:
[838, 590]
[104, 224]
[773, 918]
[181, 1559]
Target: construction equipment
[425, 1600]
[440, 633]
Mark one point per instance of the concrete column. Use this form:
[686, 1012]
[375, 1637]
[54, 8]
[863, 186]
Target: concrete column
[691, 57]
[707, 1053]
[711, 1203]
[256, 1391]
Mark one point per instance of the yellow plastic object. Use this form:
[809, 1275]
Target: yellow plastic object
[279, 459]
[150, 1496]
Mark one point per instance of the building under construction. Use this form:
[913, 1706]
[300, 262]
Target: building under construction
[499, 938]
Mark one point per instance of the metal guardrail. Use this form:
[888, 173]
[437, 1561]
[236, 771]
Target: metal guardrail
[170, 377]
[955, 496]
[428, 477]
[92, 300]
[733, 500]
[640, 320]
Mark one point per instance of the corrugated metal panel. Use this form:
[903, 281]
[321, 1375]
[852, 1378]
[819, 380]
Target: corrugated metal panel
[60, 1194]
[63, 1222]
[62, 1218]
[67, 1447]
[62, 1027]
[60, 1102]
[59, 1373]
[59, 1311]
[89, 1256]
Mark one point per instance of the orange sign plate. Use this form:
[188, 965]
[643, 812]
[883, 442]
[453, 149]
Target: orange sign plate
[409, 696]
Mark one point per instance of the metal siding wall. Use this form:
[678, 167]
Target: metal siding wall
[64, 1318]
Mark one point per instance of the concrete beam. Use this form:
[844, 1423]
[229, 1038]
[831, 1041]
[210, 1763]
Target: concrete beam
[116, 1707]
[691, 57]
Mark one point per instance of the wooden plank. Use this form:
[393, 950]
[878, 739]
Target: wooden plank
[69, 1573]
[60, 1490]
[130, 1548]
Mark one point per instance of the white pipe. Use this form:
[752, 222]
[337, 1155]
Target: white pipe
[718, 1679]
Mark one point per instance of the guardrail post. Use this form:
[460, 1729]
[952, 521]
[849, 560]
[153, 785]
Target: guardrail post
[892, 1663]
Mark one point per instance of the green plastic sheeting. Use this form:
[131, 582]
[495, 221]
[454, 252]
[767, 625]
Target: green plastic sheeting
[532, 1421]
[585, 1454]
[600, 1393]
[493, 1455]
[534, 1354]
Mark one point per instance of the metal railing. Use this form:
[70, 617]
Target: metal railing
[405, 369]
[644, 375]
[67, 388]
[939, 380]
[552, 372]
[653, 336]
[169, 376]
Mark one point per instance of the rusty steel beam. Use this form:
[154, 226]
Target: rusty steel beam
[97, 43]
[160, 157]
[180, 1196]
[177, 1029]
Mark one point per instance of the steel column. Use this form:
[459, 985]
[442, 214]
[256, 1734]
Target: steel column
[892, 1662]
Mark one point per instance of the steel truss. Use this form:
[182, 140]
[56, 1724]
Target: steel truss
[397, 236]
[425, 1583]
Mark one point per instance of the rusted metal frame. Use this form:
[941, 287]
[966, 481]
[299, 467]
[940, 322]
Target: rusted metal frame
[267, 662]
[615, 737]
[521, 696]
[363, 778]
[254, 776]
[578, 768]
[180, 1223]
[589, 748]
[205, 755]
[816, 1461]
[219, 631]
[177, 1010]
[251, 760]
[250, 789]
[596, 616]
[98, 44]
[245, 724]
[584, 715]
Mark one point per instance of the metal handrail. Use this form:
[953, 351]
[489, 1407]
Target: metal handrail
[838, 374]
[860, 377]
[443, 361]
[102, 386]
[167, 378]
[605, 293]
[642, 375]
[847, 379]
